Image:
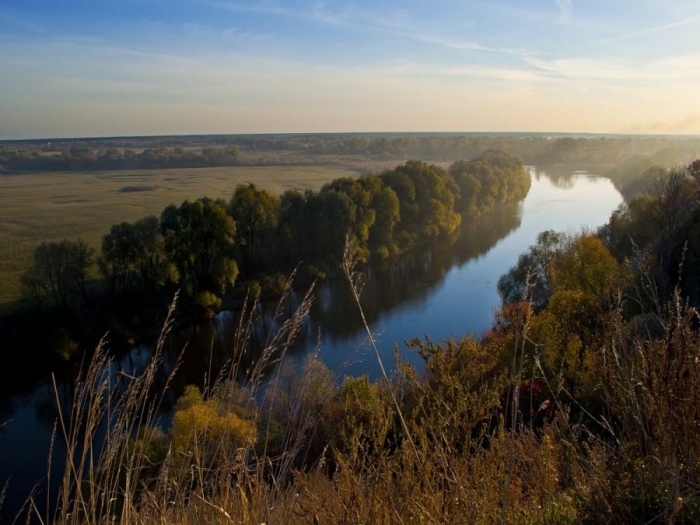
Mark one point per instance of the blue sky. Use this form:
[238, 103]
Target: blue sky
[106, 67]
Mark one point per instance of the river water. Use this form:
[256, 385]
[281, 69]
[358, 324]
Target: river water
[446, 289]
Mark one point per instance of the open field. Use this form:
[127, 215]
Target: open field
[38, 207]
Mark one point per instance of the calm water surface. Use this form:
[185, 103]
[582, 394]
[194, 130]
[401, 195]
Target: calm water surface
[447, 289]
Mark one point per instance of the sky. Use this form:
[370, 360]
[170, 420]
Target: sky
[78, 68]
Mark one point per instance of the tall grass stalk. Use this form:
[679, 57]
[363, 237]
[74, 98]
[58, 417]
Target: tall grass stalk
[114, 478]
[453, 443]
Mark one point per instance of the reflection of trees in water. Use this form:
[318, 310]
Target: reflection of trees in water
[210, 347]
[561, 177]
[208, 350]
[409, 278]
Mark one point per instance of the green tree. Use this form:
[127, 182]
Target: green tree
[152, 263]
[255, 212]
[388, 214]
[199, 238]
[59, 270]
[134, 255]
[426, 202]
[292, 227]
[360, 191]
[119, 256]
[494, 177]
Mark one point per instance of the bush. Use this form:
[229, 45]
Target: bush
[208, 302]
[202, 428]
[274, 284]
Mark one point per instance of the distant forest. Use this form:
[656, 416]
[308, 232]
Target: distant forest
[592, 152]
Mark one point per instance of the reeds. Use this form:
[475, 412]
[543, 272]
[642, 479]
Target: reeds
[458, 442]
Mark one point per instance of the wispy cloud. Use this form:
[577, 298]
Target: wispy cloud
[475, 74]
[265, 9]
[396, 23]
[668, 69]
[634, 35]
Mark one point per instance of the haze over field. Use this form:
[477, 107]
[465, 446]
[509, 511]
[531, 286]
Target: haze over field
[78, 68]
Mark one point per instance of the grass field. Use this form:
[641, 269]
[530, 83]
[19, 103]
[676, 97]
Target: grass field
[38, 207]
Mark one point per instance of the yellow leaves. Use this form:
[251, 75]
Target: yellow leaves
[583, 276]
[585, 265]
[204, 425]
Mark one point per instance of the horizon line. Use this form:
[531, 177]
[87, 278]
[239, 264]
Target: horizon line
[362, 133]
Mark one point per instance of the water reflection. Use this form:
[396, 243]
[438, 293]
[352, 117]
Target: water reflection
[403, 282]
[409, 280]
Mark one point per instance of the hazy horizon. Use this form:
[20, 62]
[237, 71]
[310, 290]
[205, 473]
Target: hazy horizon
[186, 67]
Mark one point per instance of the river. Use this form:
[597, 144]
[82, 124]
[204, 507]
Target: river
[446, 289]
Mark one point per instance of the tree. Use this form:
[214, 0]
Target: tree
[493, 177]
[694, 169]
[292, 230]
[119, 256]
[154, 268]
[134, 255]
[585, 266]
[199, 239]
[388, 214]
[530, 279]
[671, 203]
[361, 192]
[84, 260]
[208, 429]
[426, 200]
[255, 212]
[583, 274]
[59, 271]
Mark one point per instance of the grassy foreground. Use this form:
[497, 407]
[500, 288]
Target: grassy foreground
[45, 207]
[487, 434]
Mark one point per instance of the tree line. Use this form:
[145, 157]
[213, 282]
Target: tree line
[612, 156]
[209, 246]
[81, 157]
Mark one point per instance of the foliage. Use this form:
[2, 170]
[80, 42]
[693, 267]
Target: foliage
[583, 264]
[208, 302]
[86, 158]
[530, 278]
[198, 235]
[255, 213]
[64, 347]
[492, 177]
[59, 272]
[200, 427]
[582, 410]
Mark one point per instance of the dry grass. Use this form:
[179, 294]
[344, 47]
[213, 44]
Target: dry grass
[455, 444]
[39, 207]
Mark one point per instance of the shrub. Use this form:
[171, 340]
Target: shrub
[208, 302]
[202, 428]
